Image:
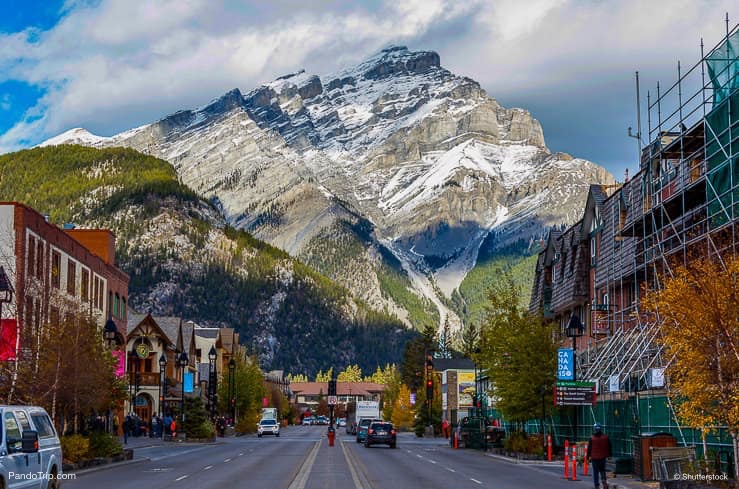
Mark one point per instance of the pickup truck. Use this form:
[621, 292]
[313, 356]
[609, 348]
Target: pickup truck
[468, 433]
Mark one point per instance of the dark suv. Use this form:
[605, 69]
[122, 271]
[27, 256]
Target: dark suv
[380, 432]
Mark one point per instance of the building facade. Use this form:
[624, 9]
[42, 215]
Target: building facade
[683, 202]
[56, 272]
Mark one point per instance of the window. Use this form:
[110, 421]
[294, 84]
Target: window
[40, 259]
[25, 424]
[85, 288]
[71, 277]
[100, 294]
[43, 425]
[116, 305]
[12, 432]
[31, 262]
[593, 251]
[56, 269]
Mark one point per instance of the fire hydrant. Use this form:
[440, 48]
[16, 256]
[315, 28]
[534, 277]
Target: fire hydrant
[331, 436]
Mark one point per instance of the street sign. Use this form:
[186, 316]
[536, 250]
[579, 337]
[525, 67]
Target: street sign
[565, 364]
[333, 400]
[574, 393]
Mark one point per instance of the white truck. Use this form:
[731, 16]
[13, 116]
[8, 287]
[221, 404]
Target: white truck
[363, 410]
[269, 413]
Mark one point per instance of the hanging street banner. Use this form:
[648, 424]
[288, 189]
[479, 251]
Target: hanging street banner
[574, 393]
[565, 364]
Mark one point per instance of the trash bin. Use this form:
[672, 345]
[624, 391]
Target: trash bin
[643, 453]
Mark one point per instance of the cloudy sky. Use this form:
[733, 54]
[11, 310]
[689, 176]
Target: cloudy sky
[111, 65]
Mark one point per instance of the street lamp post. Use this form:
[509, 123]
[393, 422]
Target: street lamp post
[134, 385]
[182, 361]
[212, 381]
[110, 331]
[476, 400]
[162, 383]
[574, 330]
[232, 389]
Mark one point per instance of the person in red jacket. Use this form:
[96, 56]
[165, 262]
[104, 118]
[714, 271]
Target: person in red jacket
[599, 449]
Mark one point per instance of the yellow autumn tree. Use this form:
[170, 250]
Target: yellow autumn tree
[402, 417]
[352, 373]
[698, 314]
[325, 377]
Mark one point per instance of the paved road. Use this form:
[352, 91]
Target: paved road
[301, 459]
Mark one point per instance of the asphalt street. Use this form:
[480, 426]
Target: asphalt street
[301, 459]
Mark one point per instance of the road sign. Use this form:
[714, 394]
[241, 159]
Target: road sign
[565, 364]
[574, 393]
[333, 400]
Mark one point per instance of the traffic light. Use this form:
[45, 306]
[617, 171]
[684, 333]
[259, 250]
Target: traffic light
[429, 389]
[331, 387]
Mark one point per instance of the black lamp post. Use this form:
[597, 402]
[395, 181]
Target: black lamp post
[183, 361]
[232, 389]
[476, 399]
[574, 330]
[212, 381]
[162, 382]
[134, 384]
[110, 331]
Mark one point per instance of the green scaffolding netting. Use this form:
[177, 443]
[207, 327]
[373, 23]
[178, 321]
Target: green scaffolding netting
[723, 68]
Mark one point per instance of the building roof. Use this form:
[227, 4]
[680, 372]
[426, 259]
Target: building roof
[342, 388]
[441, 364]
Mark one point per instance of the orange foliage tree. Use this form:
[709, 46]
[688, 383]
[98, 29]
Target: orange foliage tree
[698, 311]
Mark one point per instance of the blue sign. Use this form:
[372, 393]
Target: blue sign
[565, 364]
[189, 379]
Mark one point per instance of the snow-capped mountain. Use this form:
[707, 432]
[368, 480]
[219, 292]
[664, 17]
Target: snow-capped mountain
[419, 159]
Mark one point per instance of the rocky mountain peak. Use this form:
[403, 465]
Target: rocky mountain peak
[398, 60]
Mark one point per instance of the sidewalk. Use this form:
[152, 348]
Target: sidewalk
[620, 481]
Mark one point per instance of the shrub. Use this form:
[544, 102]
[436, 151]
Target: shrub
[104, 445]
[248, 423]
[75, 448]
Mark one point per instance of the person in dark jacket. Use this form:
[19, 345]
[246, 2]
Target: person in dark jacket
[599, 449]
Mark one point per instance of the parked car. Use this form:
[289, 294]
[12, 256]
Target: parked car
[307, 421]
[29, 446]
[362, 429]
[380, 432]
[322, 420]
[268, 427]
[341, 422]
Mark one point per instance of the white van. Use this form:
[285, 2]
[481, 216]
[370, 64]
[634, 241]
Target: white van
[30, 452]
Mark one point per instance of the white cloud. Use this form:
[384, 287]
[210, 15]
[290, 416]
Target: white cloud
[119, 64]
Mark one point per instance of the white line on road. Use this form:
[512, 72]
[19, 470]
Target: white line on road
[241, 454]
[208, 467]
[301, 478]
[180, 478]
[227, 460]
[432, 461]
[476, 481]
[450, 470]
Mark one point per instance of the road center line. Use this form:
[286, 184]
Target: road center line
[353, 468]
[208, 467]
[180, 478]
[301, 478]
[227, 460]
[475, 480]
[450, 470]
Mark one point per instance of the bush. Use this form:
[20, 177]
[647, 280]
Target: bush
[203, 430]
[248, 423]
[104, 444]
[75, 448]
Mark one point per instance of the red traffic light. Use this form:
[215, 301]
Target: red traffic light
[429, 383]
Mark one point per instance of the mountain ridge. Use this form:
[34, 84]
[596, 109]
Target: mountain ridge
[424, 156]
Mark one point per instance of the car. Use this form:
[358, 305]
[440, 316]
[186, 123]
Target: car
[29, 448]
[341, 422]
[322, 420]
[362, 429]
[268, 427]
[380, 433]
[306, 421]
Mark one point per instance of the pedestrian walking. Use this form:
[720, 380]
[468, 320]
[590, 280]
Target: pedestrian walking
[445, 428]
[599, 449]
[160, 425]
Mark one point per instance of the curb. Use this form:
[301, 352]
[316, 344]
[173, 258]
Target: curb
[516, 461]
[113, 465]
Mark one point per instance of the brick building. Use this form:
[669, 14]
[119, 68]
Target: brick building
[55, 272]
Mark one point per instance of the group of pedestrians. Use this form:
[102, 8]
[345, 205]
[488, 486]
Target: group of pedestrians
[156, 427]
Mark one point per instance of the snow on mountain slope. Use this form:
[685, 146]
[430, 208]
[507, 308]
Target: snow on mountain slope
[424, 155]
